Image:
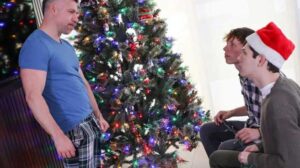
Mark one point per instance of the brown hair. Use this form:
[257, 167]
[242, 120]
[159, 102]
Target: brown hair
[239, 33]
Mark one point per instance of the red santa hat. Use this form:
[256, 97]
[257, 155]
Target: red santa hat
[270, 42]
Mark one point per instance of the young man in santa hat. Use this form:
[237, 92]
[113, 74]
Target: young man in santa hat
[260, 61]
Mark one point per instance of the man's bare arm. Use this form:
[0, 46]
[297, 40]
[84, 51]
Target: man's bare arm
[33, 83]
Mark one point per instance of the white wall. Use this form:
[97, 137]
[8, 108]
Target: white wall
[198, 26]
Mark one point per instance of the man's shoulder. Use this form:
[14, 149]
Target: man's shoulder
[35, 38]
[285, 86]
[285, 91]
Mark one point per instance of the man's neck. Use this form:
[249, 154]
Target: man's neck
[264, 79]
[51, 30]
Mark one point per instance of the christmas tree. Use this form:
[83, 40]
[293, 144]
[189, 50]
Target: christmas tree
[17, 21]
[140, 85]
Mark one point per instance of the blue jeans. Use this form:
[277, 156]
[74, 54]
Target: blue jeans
[215, 137]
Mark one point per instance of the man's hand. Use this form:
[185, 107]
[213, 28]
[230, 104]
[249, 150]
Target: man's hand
[247, 135]
[64, 146]
[221, 116]
[243, 157]
[251, 148]
[103, 124]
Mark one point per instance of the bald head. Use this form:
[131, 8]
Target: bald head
[46, 3]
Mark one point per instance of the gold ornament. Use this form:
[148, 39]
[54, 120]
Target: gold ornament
[132, 87]
[113, 146]
[86, 40]
[125, 127]
[117, 103]
[102, 11]
[115, 55]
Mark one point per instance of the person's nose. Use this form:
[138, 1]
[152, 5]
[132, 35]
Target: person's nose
[75, 17]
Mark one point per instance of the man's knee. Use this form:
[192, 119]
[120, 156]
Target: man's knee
[213, 159]
[231, 144]
[227, 145]
[224, 158]
[206, 129]
[216, 158]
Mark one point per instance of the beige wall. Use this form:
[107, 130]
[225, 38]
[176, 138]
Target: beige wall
[198, 27]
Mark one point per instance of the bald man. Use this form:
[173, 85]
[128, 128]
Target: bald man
[56, 90]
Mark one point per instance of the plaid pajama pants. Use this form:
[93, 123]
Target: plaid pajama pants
[86, 139]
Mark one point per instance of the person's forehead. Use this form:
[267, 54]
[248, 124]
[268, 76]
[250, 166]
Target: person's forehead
[70, 5]
[234, 40]
[68, 2]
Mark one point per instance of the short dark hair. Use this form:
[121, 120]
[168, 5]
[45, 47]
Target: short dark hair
[44, 5]
[239, 33]
[46, 2]
[255, 53]
[271, 67]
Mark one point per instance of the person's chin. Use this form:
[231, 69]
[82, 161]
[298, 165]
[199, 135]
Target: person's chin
[228, 61]
[66, 32]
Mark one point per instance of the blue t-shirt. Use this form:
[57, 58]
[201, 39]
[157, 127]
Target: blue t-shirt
[64, 90]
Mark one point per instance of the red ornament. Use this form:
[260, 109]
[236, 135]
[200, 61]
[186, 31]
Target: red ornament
[129, 57]
[117, 125]
[146, 81]
[147, 149]
[132, 47]
[113, 113]
[145, 13]
[144, 10]
[157, 40]
[31, 21]
[146, 17]
[195, 115]
[21, 23]
[147, 91]
[133, 128]
[140, 115]
[140, 37]
[115, 157]
[131, 117]
[102, 2]
[102, 77]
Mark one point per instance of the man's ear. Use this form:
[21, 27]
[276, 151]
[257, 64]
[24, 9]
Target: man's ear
[262, 60]
[53, 8]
